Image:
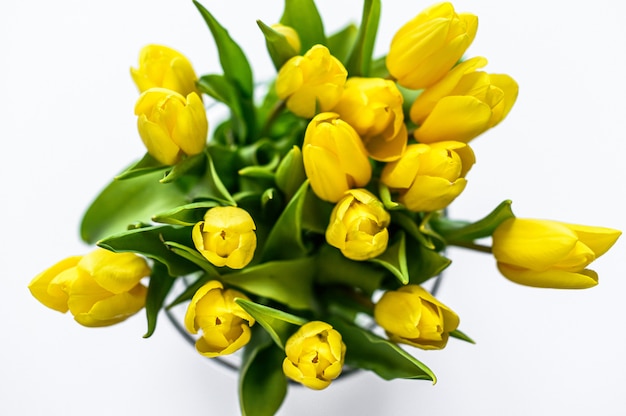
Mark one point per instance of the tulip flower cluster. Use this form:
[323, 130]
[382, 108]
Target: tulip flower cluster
[300, 234]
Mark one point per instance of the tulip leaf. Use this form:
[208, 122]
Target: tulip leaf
[285, 239]
[158, 288]
[150, 242]
[190, 289]
[394, 259]
[186, 215]
[145, 165]
[234, 62]
[462, 336]
[130, 201]
[424, 263]
[385, 197]
[290, 174]
[315, 213]
[278, 324]
[222, 89]
[277, 45]
[360, 58]
[369, 351]
[409, 225]
[303, 16]
[211, 186]
[286, 281]
[340, 43]
[335, 269]
[184, 167]
[455, 231]
[262, 383]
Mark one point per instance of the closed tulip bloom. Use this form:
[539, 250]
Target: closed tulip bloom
[426, 47]
[475, 100]
[99, 289]
[163, 67]
[411, 315]
[335, 158]
[171, 125]
[429, 177]
[224, 324]
[550, 254]
[310, 83]
[315, 355]
[358, 225]
[226, 237]
[373, 107]
[290, 34]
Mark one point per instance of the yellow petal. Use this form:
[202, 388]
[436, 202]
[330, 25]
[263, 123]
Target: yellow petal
[557, 279]
[430, 193]
[38, 287]
[598, 239]
[114, 309]
[115, 272]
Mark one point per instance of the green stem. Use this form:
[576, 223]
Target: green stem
[471, 246]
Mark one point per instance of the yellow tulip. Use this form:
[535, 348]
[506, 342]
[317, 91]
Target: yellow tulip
[315, 355]
[475, 100]
[412, 316]
[429, 177]
[99, 289]
[226, 237]
[550, 254]
[426, 47]
[358, 225]
[335, 158]
[290, 34]
[310, 83]
[224, 324]
[373, 106]
[171, 125]
[163, 67]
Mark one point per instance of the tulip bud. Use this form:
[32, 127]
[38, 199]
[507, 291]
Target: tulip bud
[335, 159]
[163, 67]
[226, 237]
[550, 254]
[425, 48]
[290, 34]
[373, 107]
[475, 100]
[171, 125]
[358, 225]
[429, 177]
[225, 325]
[100, 288]
[412, 316]
[315, 355]
[311, 83]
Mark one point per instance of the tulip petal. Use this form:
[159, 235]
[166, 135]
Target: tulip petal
[39, 286]
[115, 272]
[556, 279]
[598, 239]
[430, 193]
[114, 309]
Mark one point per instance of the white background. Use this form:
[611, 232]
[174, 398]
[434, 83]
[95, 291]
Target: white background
[66, 108]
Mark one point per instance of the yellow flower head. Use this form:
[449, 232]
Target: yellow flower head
[373, 106]
[412, 316]
[429, 177]
[163, 67]
[226, 237]
[99, 289]
[475, 100]
[311, 82]
[290, 33]
[171, 125]
[224, 324]
[358, 225]
[315, 355]
[426, 47]
[335, 158]
[550, 254]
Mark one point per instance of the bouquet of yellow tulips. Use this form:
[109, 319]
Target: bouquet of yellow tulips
[306, 222]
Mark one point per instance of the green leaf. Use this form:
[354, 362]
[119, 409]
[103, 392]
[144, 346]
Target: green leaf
[286, 281]
[456, 231]
[186, 215]
[184, 167]
[394, 259]
[341, 42]
[150, 241]
[211, 186]
[278, 324]
[190, 289]
[194, 256]
[147, 164]
[277, 45]
[315, 213]
[158, 289]
[303, 16]
[424, 263]
[290, 174]
[385, 197]
[129, 201]
[262, 383]
[223, 90]
[368, 351]
[360, 58]
[234, 62]
[462, 336]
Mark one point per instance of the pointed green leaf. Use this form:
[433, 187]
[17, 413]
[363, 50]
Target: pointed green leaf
[368, 351]
[460, 231]
[278, 324]
[211, 186]
[234, 62]
[290, 174]
[186, 215]
[315, 213]
[303, 16]
[158, 289]
[410, 225]
[192, 255]
[360, 58]
[340, 43]
[277, 45]
[394, 259]
[147, 164]
[424, 263]
[462, 336]
[262, 383]
[184, 167]
[223, 90]
[385, 197]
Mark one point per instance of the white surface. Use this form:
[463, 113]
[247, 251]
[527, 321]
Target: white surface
[67, 127]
